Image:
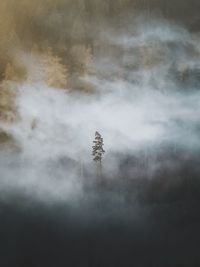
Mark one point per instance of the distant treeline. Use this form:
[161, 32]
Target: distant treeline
[62, 24]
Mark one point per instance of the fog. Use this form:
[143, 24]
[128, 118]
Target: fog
[145, 104]
[129, 70]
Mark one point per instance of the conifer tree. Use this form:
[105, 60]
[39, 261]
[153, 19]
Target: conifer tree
[98, 151]
[47, 68]
[55, 73]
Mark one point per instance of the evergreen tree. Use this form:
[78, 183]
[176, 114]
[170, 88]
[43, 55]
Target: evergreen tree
[98, 150]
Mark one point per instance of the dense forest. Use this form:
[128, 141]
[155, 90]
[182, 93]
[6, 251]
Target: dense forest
[75, 27]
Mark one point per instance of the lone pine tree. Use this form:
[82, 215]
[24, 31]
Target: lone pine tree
[98, 151]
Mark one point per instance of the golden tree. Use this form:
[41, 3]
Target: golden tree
[55, 73]
[35, 70]
[47, 68]
[8, 111]
[10, 73]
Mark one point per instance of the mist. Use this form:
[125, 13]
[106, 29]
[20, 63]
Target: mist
[129, 71]
[147, 104]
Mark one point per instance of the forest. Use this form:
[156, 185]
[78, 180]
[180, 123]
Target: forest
[99, 133]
